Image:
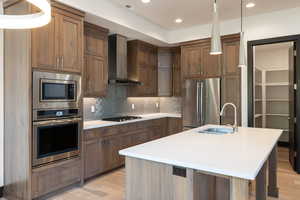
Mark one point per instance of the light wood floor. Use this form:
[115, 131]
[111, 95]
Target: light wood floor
[111, 186]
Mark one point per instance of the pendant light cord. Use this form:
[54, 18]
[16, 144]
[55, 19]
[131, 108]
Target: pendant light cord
[241, 15]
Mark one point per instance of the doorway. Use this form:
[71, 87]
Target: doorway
[272, 88]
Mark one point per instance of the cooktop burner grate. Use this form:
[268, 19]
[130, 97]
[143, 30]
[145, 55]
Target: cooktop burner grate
[121, 119]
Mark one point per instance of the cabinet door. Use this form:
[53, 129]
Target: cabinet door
[165, 82]
[211, 64]
[140, 136]
[95, 76]
[71, 44]
[126, 141]
[91, 158]
[143, 55]
[52, 178]
[230, 58]
[191, 61]
[231, 93]
[152, 82]
[95, 42]
[105, 155]
[45, 45]
[109, 150]
[174, 125]
[144, 79]
[177, 74]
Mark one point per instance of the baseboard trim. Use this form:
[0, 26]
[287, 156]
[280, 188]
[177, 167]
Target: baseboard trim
[1, 191]
[283, 144]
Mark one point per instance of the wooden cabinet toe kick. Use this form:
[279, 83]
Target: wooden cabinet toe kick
[149, 180]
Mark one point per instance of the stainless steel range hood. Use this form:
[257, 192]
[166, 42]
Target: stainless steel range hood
[117, 61]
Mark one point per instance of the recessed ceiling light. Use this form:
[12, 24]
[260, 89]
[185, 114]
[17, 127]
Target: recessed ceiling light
[250, 5]
[178, 20]
[146, 1]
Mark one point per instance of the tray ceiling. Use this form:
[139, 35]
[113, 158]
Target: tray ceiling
[197, 12]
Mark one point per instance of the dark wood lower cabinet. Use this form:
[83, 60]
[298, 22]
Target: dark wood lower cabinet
[92, 157]
[174, 125]
[53, 177]
[101, 146]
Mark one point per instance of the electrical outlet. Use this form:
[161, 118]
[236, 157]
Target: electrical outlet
[132, 106]
[93, 109]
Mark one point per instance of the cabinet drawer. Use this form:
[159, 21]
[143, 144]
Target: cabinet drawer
[50, 178]
[91, 134]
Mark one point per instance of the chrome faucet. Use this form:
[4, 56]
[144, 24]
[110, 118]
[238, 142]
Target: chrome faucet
[234, 126]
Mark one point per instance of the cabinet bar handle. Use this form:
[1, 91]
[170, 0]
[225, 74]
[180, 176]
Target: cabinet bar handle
[62, 61]
[57, 62]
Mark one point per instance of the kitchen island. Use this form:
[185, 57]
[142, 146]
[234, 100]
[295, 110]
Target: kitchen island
[197, 166]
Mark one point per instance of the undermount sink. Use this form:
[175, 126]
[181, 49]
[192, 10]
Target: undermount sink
[217, 131]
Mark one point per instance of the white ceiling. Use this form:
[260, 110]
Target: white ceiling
[197, 12]
[275, 46]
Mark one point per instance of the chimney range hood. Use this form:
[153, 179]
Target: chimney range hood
[117, 61]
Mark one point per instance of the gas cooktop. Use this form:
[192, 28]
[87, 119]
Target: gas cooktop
[121, 119]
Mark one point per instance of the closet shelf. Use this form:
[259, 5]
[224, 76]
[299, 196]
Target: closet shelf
[277, 84]
[258, 115]
[278, 100]
[278, 115]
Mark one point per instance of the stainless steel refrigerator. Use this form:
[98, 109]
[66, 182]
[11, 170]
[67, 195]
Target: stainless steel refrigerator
[201, 102]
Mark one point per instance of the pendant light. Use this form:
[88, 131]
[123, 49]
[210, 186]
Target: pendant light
[242, 56]
[29, 20]
[216, 45]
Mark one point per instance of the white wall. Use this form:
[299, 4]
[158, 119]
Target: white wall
[272, 57]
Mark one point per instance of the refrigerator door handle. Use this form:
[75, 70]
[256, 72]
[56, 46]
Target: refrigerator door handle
[198, 106]
[201, 104]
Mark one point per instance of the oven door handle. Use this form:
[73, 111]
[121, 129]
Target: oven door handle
[54, 122]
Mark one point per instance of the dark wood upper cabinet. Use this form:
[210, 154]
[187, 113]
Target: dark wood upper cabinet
[197, 61]
[142, 66]
[231, 57]
[211, 64]
[176, 72]
[191, 61]
[45, 45]
[96, 61]
[165, 72]
[71, 44]
[95, 76]
[95, 40]
[58, 46]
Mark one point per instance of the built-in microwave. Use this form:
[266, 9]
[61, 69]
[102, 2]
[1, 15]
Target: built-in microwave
[56, 90]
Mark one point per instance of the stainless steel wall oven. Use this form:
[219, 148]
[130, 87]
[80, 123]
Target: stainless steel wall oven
[57, 117]
[55, 140]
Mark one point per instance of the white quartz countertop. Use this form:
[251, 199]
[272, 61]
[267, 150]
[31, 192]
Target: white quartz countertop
[241, 154]
[99, 123]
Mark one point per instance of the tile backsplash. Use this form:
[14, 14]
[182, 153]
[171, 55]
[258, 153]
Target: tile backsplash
[117, 103]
